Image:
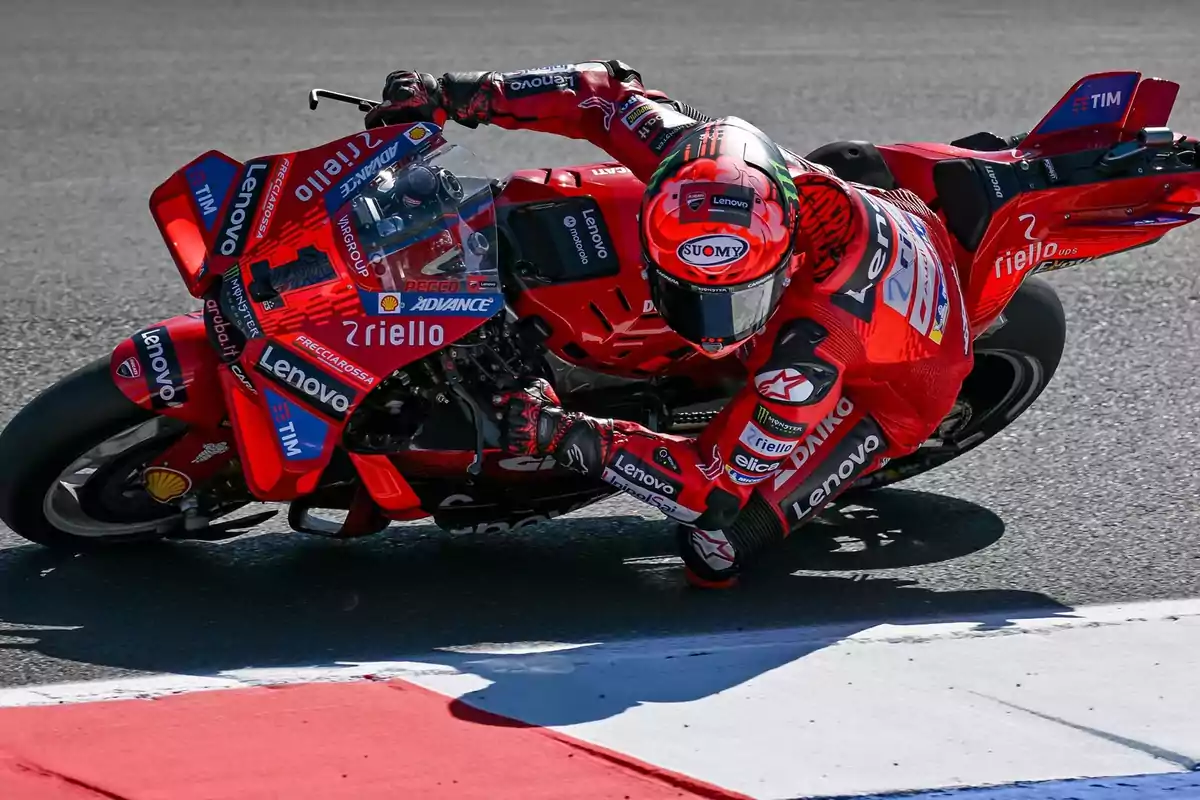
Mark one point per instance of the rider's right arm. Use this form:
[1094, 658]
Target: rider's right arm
[603, 102]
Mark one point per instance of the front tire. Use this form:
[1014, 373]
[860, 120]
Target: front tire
[1013, 365]
[83, 429]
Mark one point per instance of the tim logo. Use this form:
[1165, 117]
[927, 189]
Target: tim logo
[1100, 100]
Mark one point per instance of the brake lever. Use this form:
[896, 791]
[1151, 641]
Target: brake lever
[315, 95]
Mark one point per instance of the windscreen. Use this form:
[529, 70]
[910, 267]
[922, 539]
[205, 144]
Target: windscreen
[423, 223]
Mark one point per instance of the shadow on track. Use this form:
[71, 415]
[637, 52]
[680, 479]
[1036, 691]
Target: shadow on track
[279, 599]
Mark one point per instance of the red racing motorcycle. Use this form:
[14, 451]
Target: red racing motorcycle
[362, 302]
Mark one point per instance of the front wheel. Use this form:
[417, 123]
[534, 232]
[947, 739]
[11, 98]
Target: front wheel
[70, 466]
[1013, 365]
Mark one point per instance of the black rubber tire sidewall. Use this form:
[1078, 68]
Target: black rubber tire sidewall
[77, 413]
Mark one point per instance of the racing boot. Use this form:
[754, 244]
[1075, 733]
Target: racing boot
[710, 560]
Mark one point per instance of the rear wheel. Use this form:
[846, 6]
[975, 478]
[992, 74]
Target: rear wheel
[71, 461]
[1013, 365]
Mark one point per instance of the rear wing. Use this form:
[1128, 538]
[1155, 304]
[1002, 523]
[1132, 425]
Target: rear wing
[1103, 109]
[186, 208]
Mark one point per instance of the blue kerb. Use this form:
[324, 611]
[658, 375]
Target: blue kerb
[1169, 786]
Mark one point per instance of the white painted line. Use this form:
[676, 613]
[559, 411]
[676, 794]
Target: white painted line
[986, 625]
[829, 710]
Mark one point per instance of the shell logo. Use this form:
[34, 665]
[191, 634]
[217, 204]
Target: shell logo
[165, 484]
[416, 134]
[389, 303]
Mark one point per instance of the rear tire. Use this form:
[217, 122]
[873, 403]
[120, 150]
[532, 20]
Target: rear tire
[78, 414]
[1013, 365]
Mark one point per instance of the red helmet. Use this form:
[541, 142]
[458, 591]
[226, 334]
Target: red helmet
[718, 227]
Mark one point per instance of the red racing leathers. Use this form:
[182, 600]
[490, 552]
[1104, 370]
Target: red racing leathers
[872, 326]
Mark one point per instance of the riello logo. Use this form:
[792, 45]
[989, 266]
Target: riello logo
[1016, 261]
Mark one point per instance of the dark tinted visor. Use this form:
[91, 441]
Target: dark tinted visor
[715, 314]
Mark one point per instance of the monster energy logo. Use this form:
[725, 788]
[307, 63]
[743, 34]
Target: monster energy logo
[790, 195]
[669, 162]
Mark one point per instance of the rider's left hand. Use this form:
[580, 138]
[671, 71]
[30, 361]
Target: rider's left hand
[409, 97]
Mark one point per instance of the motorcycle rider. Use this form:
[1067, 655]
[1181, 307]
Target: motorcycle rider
[842, 300]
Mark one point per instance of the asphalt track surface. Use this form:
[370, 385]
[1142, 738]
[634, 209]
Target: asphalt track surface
[1089, 498]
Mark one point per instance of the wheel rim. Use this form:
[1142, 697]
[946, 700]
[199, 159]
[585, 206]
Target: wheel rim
[87, 487]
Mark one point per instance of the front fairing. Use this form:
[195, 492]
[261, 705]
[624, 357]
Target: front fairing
[333, 278]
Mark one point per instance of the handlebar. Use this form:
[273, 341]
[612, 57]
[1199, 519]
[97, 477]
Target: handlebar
[315, 95]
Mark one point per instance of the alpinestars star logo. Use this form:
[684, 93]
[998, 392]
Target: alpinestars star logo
[714, 548]
[785, 385]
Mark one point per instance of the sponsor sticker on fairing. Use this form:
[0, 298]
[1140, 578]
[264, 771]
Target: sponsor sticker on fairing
[346, 165]
[271, 202]
[589, 237]
[351, 183]
[418, 133]
[410, 333]
[129, 369]
[231, 239]
[1098, 101]
[453, 305]
[527, 463]
[222, 334]
[351, 249]
[236, 301]
[301, 435]
[164, 376]
[210, 179]
[334, 360]
[288, 370]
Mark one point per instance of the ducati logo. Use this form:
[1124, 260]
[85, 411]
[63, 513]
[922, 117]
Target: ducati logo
[694, 200]
[784, 385]
[130, 368]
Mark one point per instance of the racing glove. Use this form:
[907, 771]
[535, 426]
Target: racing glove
[421, 97]
[535, 424]
[409, 97]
